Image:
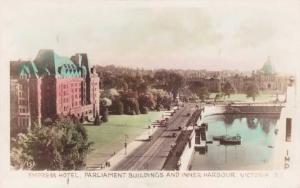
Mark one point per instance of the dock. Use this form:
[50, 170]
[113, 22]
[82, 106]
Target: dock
[201, 138]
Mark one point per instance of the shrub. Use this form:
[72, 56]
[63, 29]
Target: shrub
[97, 120]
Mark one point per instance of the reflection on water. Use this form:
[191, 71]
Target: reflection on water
[257, 134]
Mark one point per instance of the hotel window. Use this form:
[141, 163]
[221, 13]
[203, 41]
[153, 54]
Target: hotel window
[20, 121]
[25, 122]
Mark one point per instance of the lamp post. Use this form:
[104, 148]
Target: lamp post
[125, 143]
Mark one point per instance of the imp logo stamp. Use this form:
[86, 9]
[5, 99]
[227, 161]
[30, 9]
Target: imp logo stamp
[287, 160]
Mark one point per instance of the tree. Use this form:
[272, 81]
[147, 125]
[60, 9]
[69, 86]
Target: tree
[252, 90]
[169, 81]
[166, 102]
[176, 81]
[117, 106]
[200, 90]
[228, 89]
[110, 93]
[125, 85]
[146, 102]
[104, 114]
[203, 93]
[134, 105]
[161, 99]
[104, 104]
[142, 87]
[130, 102]
[61, 146]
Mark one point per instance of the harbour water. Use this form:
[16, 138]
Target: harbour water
[257, 133]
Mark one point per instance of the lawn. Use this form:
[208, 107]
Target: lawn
[240, 97]
[109, 137]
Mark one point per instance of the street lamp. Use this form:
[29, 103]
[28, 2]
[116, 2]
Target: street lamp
[125, 143]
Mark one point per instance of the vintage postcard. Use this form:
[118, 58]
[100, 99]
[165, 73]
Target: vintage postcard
[150, 93]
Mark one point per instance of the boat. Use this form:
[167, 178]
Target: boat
[230, 140]
[218, 138]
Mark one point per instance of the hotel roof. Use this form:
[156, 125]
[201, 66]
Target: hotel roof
[50, 63]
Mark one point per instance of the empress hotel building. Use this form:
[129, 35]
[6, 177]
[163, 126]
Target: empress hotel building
[52, 85]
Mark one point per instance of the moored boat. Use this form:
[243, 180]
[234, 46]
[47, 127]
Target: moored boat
[231, 140]
[218, 138]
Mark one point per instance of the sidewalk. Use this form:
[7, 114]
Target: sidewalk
[138, 141]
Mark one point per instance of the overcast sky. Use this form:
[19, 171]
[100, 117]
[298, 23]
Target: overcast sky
[212, 36]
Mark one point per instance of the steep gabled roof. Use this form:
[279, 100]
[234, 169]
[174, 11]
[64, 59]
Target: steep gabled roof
[23, 68]
[50, 63]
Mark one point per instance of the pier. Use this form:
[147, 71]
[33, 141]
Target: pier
[201, 138]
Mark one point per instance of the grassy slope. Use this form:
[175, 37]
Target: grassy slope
[109, 137]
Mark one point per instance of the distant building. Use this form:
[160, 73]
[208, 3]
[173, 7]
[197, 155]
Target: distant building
[266, 78]
[52, 85]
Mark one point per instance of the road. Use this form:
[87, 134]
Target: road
[152, 154]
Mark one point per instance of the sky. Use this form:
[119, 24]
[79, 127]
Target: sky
[211, 35]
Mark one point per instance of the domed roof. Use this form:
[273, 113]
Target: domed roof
[268, 67]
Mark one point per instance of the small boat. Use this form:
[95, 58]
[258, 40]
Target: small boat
[230, 140]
